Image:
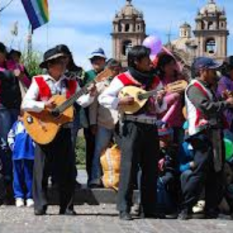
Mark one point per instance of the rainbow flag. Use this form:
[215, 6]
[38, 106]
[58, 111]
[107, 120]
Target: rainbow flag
[37, 12]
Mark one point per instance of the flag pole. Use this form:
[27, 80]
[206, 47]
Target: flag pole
[29, 43]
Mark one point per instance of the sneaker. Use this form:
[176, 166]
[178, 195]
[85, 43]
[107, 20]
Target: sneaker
[29, 202]
[199, 207]
[19, 202]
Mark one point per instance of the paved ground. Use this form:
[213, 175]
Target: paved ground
[99, 219]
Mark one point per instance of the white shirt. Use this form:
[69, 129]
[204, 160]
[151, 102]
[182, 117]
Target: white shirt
[30, 102]
[109, 98]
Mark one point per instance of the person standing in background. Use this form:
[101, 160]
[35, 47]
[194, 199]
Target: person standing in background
[98, 60]
[105, 119]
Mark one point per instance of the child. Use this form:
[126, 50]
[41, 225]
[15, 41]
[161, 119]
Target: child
[23, 158]
[166, 184]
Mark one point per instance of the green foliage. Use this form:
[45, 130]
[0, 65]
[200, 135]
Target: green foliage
[31, 62]
[80, 151]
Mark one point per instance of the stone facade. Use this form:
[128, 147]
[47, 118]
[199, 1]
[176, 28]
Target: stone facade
[128, 30]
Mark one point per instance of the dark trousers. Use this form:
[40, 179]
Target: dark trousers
[203, 176]
[23, 170]
[90, 149]
[139, 145]
[56, 157]
[7, 119]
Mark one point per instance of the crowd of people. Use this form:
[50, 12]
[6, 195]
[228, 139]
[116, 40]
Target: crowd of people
[172, 149]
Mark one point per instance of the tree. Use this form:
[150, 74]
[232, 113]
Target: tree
[31, 61]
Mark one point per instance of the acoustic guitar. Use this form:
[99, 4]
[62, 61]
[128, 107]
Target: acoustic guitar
[44, 126]
[141, 96]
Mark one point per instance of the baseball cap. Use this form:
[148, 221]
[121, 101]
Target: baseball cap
[206, 63]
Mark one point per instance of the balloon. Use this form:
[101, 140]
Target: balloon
[153, 43]
[228, 148]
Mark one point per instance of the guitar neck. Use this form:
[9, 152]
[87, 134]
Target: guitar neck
[147, 95]
[68, 103]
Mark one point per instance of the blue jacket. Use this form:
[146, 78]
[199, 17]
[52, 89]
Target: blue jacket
[20, 142]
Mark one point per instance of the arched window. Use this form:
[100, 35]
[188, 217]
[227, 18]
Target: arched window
[202, 25]
[119, 27]
[127, 45]
[210, 25]
[138, 27]
[127, 27]
[210, 46]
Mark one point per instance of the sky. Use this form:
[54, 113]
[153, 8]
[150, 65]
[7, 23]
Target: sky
[85, 25]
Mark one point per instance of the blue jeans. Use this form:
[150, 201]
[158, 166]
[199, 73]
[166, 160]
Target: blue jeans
[7, 119]
[102, 140]
[23, 170]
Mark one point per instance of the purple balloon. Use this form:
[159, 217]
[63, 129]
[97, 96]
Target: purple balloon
[153, 43]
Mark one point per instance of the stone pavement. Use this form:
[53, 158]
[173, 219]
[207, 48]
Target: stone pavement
[99, 219]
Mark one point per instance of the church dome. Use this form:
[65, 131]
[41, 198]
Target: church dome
[211, 8]
[185, 25]
[129, 11]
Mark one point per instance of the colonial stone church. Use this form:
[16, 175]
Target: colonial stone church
[209, 38]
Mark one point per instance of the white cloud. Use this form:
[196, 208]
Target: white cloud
[85, 25]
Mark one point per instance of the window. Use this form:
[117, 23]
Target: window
[210, 26]
[202, 25]
[119, 27]
[127, 27]
[210, 46]
[127, 45]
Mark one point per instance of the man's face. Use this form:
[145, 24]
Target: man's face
[144, 64]
[98, 63]
[210, 76]
[57, 66]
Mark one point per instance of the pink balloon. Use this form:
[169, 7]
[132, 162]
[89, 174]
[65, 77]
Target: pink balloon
[153, 43]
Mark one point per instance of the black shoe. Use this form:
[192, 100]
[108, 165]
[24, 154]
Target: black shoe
[78, 185]
[40, 211]
[184, 214]
[211, 214]
[171, 216]
[124, 215]
[68, 212]
[95, 186]
[152, 215]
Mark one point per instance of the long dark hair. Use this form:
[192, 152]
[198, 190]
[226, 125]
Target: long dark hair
[136, 54]
[163, 60]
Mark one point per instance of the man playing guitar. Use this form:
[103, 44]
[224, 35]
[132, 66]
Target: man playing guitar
[58, 153]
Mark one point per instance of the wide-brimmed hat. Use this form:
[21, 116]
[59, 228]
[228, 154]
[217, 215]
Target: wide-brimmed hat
[97, 53]
[50, 55]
